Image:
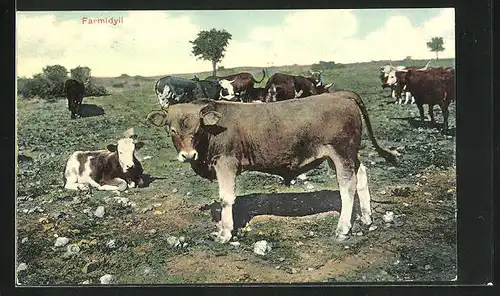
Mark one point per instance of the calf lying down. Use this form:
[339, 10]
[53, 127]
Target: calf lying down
[116, 168]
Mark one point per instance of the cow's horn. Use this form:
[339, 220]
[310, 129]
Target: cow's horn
[328, 85]
[425, 67]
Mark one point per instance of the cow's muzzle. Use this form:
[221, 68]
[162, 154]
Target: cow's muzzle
[187, 156]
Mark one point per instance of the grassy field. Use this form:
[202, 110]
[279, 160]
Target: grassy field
[133, 240]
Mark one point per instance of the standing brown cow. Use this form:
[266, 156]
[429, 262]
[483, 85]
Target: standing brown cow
[236, 85]
[221, 139]
[432, 87]
[74, 91]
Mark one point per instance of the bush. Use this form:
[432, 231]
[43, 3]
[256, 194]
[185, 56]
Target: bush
[124, 76]
[119, 85]
[322, 65]
[137, 84]
[49, 84]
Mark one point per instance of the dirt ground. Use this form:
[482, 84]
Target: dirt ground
[159, 234]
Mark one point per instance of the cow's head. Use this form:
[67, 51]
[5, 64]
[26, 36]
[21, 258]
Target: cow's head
[392, 76]
[227, 91]
[317, 76]
[126, 148]
[184, 123]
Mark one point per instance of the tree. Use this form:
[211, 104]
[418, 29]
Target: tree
[81, 74]
[436, 44]
[210, 46]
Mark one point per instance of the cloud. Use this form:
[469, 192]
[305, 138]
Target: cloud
[156, 42]
[147, 43]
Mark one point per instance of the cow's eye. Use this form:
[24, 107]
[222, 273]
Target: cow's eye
[172, 130]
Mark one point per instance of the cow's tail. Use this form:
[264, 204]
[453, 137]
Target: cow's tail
[263, 76]
[388, 155]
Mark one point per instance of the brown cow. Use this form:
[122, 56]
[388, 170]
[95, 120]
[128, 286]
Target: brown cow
[221, 139]
[393, 77]
[432, 87]
[236, 85]
[285, 87]
[116, 168]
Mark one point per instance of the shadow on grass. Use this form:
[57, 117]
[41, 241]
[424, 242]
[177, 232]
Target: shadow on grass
[148, 179]
[90, 110]
[293, 204]
[415, 122]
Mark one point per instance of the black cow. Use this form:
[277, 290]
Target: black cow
[172, 90]
[74, 91]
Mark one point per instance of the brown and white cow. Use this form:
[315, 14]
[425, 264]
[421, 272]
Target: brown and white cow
[221, 139]
[236, 85]
[74, 91]
[286, 87]
[393, 77]
[435, 86]
[116, 168]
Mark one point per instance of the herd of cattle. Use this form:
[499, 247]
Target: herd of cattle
[223, 126]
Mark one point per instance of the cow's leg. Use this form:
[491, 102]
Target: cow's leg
[225, 170]
[444, 108]
[114, 184]
[431, 113]
[364, 195]
[393, 93]
[346, 168]
[421, 111]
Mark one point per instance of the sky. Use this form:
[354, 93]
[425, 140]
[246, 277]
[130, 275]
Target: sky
[151, 43]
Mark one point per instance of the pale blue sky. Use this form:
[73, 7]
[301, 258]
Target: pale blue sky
[159, 41]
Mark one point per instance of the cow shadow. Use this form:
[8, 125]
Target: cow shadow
[415, 122]
[90, 110]
[294, 204]
[147, 179]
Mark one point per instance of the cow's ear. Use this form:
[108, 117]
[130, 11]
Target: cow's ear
[112, 147]
[139, 145]
[211, 118]
[157, 118]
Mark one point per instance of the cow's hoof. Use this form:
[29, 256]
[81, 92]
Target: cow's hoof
[341, 237]
[223, 237]
[366, 220]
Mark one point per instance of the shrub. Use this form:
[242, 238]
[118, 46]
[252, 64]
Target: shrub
[119, 85]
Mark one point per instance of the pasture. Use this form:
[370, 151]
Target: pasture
[134, 239]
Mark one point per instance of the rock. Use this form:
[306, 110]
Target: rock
[281, 259]
[147, 157]
[58, 215]
[427, 193]
[346, 247]
[293, 182]
[261, 247]
[152, 231]
[99, 212]
[175, 190]
[299, 243]
[146, 209]
[111, 244]
[61, 241]
[86, 282]
[372, 228]
[184, 245]
[309, 186]
[156, 205]
[147, 271]
[235, 244]
[360, 233]
[106, 279]
[182, 239]
[406, 204]
[90, 267]
[310, 269]
[24, 240]
[388, 217]
[293, 270]
[173, 241]
[21, 267]
[188, 193]
[311, 233]
[73, 249]
[428, 267]
[302, 177]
